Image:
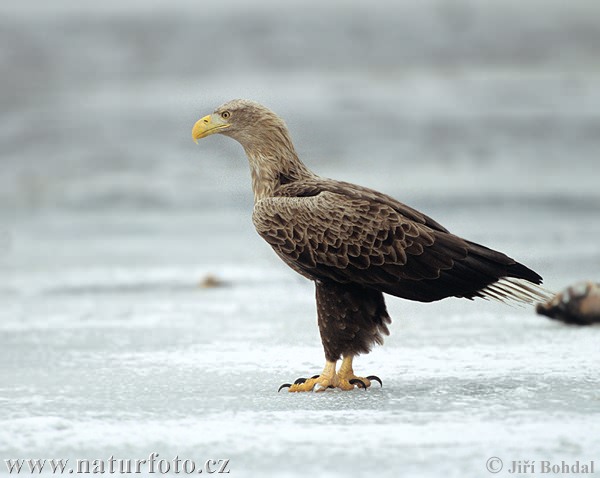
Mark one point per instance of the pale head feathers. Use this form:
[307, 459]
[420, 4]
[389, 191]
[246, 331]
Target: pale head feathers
[267, 143]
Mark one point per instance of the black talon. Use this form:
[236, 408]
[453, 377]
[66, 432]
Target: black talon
[300, 380]
[315, 376]
[356, 381]
[376, 378]
[288, 385]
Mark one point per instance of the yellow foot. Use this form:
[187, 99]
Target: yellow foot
[344, 380]
[360, 382]
[347, 374]
[319, 383]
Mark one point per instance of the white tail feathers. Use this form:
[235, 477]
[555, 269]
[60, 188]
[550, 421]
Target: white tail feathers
[509, 289]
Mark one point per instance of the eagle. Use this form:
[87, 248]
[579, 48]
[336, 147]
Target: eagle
[356, 244]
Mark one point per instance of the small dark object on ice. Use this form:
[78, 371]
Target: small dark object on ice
[578, 304]
[210, 281]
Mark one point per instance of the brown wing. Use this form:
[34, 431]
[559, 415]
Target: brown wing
[331, 236]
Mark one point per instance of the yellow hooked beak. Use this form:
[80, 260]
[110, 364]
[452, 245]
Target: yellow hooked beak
[208, 125]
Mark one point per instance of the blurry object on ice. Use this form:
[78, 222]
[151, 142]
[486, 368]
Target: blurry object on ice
[578, 304]
[210, 281]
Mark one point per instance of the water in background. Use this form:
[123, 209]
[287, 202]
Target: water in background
[482, 114]
[456, 108]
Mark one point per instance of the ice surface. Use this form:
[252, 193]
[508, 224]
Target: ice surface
[485, 117]
[194, 373]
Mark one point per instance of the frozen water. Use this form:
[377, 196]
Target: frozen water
[485, 117]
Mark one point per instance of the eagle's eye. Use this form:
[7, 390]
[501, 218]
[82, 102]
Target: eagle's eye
[225, 114]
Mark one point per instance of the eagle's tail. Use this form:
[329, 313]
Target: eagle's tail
[476, 272]
[511, 289]
[518, 283]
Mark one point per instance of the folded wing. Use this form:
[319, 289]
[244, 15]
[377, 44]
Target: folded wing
[357, 238]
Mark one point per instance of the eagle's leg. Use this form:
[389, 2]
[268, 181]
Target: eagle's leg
[346, 374]
[351, 319]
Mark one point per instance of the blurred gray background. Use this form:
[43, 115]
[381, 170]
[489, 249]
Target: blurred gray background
[485, 115]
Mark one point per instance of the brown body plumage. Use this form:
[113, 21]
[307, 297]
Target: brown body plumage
[356, 243]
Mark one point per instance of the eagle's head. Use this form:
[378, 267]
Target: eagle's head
[245, 121]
